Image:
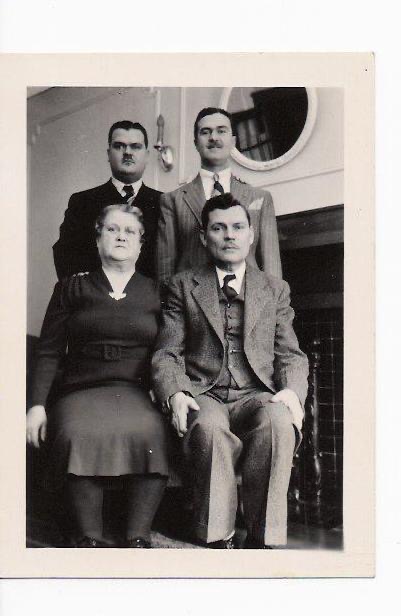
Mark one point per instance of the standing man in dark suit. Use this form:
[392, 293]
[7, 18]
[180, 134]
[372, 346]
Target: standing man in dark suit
[229, 369]
[178, 245]
[128, 154]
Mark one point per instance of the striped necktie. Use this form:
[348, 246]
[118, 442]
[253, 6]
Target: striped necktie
[217, 187]
[129, 193]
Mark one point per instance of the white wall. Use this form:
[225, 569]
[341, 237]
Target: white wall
[67, 142]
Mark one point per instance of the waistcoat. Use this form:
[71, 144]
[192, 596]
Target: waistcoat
[236, 372]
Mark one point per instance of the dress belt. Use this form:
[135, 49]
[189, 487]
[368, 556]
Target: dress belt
[113, 352]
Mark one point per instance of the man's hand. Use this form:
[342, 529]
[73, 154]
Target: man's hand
[290, 399]
[180, 404]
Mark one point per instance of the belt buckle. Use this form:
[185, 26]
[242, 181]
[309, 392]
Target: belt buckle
[111, 352]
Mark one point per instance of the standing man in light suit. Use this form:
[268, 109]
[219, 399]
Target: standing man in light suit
[179, 246]
[229, 369]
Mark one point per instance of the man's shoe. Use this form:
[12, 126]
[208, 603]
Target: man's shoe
[252, 544]
[90, 542]
[137, 542]
[224, 544]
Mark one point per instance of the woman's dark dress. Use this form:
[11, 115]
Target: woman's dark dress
[103, 422]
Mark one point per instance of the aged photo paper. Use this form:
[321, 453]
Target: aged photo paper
[174, 86]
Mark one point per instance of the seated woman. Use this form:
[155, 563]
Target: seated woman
[103, 424]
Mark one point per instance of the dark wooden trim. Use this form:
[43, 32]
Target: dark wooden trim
[316, 227]
[317, 300]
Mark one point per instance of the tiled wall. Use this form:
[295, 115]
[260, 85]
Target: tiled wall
[326, 326]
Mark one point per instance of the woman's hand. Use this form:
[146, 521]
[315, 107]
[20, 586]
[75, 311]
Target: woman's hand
[36, 425]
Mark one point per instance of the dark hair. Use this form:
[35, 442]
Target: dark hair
[122, 207]
[221, 202]
[206, 111]
[128, 125]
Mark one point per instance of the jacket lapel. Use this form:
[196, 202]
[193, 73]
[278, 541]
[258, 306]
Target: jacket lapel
[194, 197]
[258, 298]
[240, 191]
[205, 294]
[111, 192]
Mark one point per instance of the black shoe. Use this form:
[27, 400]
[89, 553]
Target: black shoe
[137, 542]
[223, 544]
[252, 544]
[90, 542]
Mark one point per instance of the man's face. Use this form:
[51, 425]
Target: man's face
[127, 155]
[214, 141]
[228, 237]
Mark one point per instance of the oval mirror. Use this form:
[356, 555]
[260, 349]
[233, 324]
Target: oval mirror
[271, 124]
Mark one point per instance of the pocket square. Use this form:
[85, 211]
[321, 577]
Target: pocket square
[257, 204]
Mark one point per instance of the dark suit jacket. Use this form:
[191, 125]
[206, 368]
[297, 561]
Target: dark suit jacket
[190, 347]
[178, 244]
[76, 251]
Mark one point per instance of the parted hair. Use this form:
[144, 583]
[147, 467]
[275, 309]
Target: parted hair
[206, 111]
[221, 202]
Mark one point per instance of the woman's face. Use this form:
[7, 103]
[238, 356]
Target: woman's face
[120, 238]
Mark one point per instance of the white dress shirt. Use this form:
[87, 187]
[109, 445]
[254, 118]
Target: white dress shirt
[236, 284]
[120, 186]
[208, 181]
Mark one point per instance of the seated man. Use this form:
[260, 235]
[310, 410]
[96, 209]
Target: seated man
[229, 369]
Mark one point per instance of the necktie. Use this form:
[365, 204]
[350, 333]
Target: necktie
[217, 187]
[129, 193]
[228, 291]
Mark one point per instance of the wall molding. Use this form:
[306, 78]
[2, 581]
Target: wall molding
[156, 168]
[181, 145]
[296, 178]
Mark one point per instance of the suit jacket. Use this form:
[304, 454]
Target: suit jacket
[190, 347]
[178, 244]
[76, 251]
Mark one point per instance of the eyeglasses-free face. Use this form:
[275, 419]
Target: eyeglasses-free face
[214, 141]
[127, 155]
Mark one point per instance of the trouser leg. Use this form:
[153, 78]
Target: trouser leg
[211, 451]
[268, 438]
[144, 494]
[85, 495]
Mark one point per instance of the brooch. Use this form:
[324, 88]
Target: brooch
[117, 296]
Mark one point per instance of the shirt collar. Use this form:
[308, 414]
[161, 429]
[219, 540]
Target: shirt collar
[120, 185]
[239, 277]
[207, 180]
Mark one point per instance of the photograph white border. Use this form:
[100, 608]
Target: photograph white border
[354, 73]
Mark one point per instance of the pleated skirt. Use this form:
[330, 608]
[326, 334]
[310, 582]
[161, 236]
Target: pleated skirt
[106, 431]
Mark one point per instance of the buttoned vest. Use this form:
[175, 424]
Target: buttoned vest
[236, 372]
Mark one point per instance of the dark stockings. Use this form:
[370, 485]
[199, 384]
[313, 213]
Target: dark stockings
[85, 495]
[144, 493]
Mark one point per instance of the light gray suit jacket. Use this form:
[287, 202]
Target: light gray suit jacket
[178, 244]
[190, 347]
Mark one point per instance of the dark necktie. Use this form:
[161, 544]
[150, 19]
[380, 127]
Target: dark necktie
[228, 291]
[217, 187]
[129, 193]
